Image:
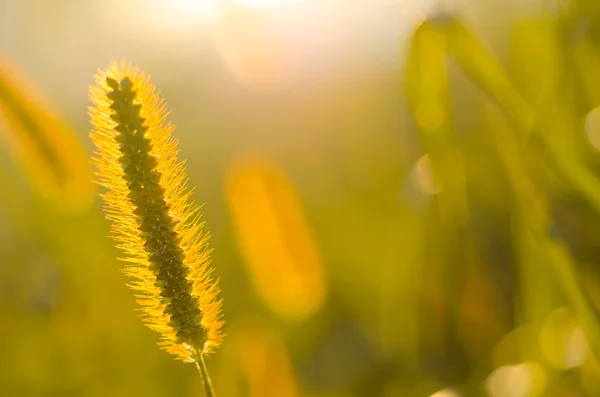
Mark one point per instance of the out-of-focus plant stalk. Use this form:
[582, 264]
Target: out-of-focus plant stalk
[484, 69]
[280, 253]
[486, 72]
[45, 144]
[428, 88]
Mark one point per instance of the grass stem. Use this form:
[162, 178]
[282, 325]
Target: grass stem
[201, 365]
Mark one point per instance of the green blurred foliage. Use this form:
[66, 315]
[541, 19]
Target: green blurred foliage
[453, 196]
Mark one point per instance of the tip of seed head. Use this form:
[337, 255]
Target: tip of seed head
[112, 83]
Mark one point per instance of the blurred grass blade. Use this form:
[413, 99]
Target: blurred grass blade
[554, 130]
[44, 143]
[564, 268]
[535, 291]
[537, 45]
[561, 127]
[428, 83]
[587, 63]
[533, 208]
[536, 61]
[428, 89]
[280, 253]
[487, 73]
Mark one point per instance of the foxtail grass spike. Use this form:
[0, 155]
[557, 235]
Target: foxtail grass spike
[154, 221]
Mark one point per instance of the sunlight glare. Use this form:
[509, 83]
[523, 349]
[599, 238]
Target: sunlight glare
[258, 3]
[163, 18]
[181, 13]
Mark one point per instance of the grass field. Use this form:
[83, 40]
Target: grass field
[402, 197]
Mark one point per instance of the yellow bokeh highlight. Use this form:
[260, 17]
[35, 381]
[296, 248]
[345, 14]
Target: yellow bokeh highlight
[45, 144]
[562, 340]
[280, 253]
[449, 392]
[422, 176]
[527, 379]
[592, 127]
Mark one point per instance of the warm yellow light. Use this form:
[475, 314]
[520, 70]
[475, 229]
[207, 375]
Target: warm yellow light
[182, 13]
[261, 2]
[163, 18]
